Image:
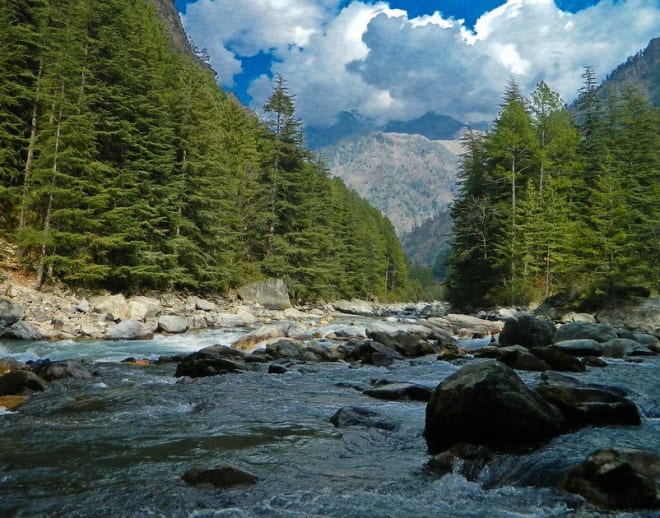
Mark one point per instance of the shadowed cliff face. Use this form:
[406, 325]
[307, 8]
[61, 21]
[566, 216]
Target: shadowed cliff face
[174, 28]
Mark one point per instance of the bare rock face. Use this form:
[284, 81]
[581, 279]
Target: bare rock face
[618, 478]
[271, 294]
[488, 404]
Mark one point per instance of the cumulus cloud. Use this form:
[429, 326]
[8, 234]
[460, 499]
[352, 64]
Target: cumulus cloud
[379, 61]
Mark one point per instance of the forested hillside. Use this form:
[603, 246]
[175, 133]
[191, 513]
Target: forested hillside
[551, 203]
[124, 166]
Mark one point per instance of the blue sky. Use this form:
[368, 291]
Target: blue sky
[397, 59]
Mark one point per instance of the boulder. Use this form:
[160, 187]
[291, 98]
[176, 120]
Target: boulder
[271, 294]
[474, 326]
[21, 382]
[618, 478]
[264, 333]
[275, 368]
[113, 307]
[64, 369]
[241, 318]
[354, 307]
[130, 330]
[173, 324]
[468, 460]
[559, 360]
[587, 404]
[21, 331]
[487, 403]
[515, 356]
[204, 305]
[375, 353]
[579, 347]
[585, 330]
[211, 361]
[528, 331]
[640, 314]
[624, 347]
[359, 416]
[9, 364]
[10, 313]
[648, 340]
[400, 392]
[222, 476]
[407, 344]
[285, 348]
[144, 307]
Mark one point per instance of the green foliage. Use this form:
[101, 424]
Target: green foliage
[124, 166]
[549, 204]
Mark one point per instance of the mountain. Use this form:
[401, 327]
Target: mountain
[424, 243]
[430, 125]
[641, 70]
[408, 177]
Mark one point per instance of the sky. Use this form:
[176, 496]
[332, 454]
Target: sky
[398, 59]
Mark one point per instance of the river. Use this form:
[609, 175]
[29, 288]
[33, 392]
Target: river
[117, 445]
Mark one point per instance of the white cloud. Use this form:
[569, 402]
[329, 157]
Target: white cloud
[386, 65]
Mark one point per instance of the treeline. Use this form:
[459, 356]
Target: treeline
[553, 201]
[124, 166]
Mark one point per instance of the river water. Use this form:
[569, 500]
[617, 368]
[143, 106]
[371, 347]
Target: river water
[117, 445]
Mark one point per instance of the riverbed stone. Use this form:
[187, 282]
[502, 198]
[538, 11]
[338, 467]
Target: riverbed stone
[638, 314]
[528, 331]
[584, 330]
[587, 404]
[212, 361]
[624, 348]
[65, 369]
[618, 478]
[21, 382]
[559, 360]
[579, 347]
[271, 294]
[474, 326]
[130, 330]
[113, 307]
[487, 403]
[264, 333]
[223, 476]
[373, 353]
[354, 307]
[173, 324]
[406, 343]
[400, 392]
[21, 330]
[515, 356]
[285, 348]
[9, 364]
[360, 416]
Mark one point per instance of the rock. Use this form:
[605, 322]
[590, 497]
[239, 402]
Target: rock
[84, 306]
[241, 318]
[64, 369]
[587, 404]
[21, 331]
[204, 305]
[275, 368]
[12, 402]
[375, 353]
[211, 361]
[264, 333]
[10, 313]
[9, 364]
[579, 317]
[623, 348]
[468, 460]
[488, 404]
[21, 382]
[558, 360]
[580, 330]
[354, 307]
[113, 307]
[528, 331]
[173, 324]
[579, 347]
[618, 478]
[639, 314]
[515, 356]
[222, 476]
[284, 349]
[407, 344]
[648, 340]
[271, 294]
[476, 326]
[400, 392]
[359, 416]
[144, 307]
[130, 330]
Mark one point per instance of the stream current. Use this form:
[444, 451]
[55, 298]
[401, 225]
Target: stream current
[118, 444]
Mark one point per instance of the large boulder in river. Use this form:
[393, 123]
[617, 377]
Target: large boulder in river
[173, 324]
[618, 478]
[399, 392]
[212, 361]
[21, 331]
[271, 294]
[64, 369]
[515, 356]
[528, 331]
[222, 476]
[587, 404]
[585, 330]
[21, 382]
[130, 330]
[359, 416]
[624, 348]
[407, 344]
[487, 403]
[354, 307]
